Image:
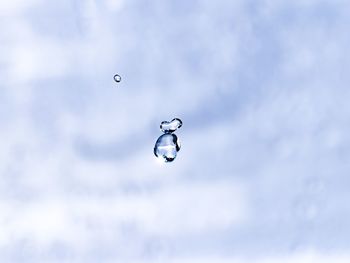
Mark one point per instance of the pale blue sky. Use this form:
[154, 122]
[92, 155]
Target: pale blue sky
[261, 88]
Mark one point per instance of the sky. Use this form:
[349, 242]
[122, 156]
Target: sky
[261, 87]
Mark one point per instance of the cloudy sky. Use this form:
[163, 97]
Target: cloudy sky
[262, 88]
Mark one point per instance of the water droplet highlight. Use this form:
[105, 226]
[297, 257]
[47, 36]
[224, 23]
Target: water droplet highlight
[117, 78]
[168, 144]
[170, 127]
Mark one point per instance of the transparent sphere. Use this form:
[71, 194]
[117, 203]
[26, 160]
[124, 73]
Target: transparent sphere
[166, 147]
[117, 78]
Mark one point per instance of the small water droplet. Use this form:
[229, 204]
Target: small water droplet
[167, 147]
[170, 127]
[117, 78]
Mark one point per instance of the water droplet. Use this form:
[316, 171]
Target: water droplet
[170, 127]
[167, 147]
[117, 78]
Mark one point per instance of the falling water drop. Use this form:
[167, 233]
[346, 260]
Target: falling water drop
[168, 144]
[167, 147]
[117, 78]
[170, 127]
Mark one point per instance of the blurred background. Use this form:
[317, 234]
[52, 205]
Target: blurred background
[262, 88]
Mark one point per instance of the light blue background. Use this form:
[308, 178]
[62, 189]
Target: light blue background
[262, 88]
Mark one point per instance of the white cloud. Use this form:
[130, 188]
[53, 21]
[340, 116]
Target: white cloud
[9, 8]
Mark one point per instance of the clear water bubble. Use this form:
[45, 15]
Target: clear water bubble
[167, 147]
[117, 78]
[170, 127]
